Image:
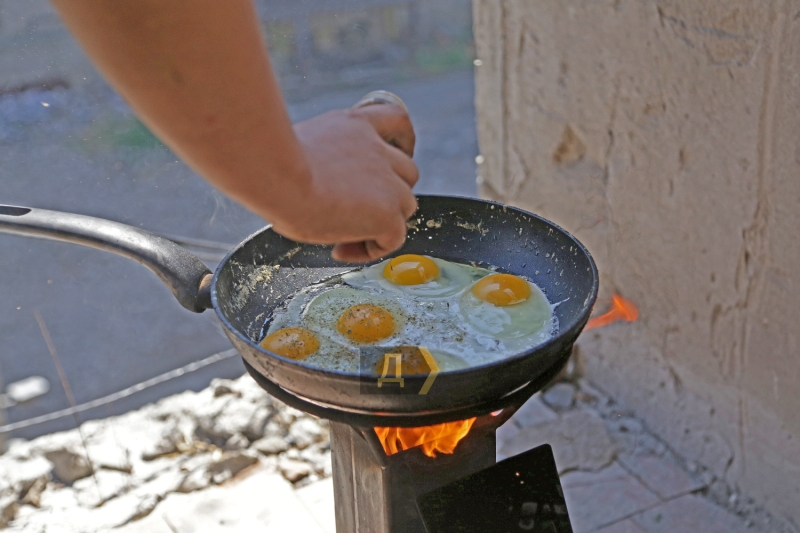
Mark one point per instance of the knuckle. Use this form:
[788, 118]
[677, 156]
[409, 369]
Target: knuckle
[409, 206]
[414, 174]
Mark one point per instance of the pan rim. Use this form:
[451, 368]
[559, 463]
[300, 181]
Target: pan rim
[578, 323]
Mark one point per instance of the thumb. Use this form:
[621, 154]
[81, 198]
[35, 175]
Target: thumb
[361, 252]
[392, 123]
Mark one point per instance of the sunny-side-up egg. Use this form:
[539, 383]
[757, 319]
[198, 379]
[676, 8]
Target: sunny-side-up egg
[416, 275]
[510, 309]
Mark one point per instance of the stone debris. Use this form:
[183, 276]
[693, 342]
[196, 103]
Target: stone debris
[560, 396]
[271, 445]
[229, 465]
[170, 442]
[294, 470]
[305, 432]
[237, 442]
[579, 439]
[8, 510]
[27, 389]
[69, 465]
[122, 468]
[197, 479]
[33, 495]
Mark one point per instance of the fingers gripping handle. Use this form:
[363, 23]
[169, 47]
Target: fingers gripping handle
[381, 97]
[396, 131]
[183, 273]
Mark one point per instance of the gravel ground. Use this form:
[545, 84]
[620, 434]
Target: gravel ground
[114, 471]
[231, 458]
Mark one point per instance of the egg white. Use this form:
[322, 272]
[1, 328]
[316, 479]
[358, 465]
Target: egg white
[323, 312]
[518, 326]
[331, 354]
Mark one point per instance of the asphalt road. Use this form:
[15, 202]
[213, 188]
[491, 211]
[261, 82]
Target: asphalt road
[111, 321]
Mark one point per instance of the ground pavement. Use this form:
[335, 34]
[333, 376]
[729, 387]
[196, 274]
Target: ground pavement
[230, 458]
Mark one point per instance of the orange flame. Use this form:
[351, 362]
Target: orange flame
[621, 309]
[439, 438]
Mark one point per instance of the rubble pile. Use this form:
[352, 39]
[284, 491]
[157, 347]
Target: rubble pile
[113, 471]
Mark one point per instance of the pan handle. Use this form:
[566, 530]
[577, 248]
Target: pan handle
[184, 274]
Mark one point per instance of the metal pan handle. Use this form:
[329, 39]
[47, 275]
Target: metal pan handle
[183, 273]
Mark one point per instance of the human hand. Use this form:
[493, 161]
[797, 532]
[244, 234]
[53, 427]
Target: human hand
[359, 193]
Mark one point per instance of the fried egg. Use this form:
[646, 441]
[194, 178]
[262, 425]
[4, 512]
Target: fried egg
[313, 349]
[292, 343]
[416, 275]
[510, 309]
[354, 317]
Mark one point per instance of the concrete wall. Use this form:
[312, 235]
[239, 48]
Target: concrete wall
[666, 136]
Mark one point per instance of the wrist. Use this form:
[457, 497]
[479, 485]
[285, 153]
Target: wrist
[281, 194]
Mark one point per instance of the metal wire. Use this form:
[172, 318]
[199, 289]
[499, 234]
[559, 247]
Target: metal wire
[124, 393]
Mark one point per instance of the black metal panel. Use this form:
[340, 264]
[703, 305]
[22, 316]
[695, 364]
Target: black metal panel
[522, 493]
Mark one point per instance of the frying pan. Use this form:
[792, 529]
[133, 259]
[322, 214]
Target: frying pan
[266, 269]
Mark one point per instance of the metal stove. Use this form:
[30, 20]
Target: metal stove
[466, 491]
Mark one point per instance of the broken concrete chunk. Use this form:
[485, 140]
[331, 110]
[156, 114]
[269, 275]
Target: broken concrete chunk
[104, 485]
[222, 387]
[144, 507]
[270, 445]
[287, 415]
[8, 510]
[318, 457]
[127, 508]
[579, 439]
[257, 425]
[237, 442]
[22, 475]
[230, 464]
[304, 432]
[235, 418]
[534, 411]
[33, 495]
[197, 479]
[68, 465]
[293, 470]
[560, 396]
[170, 442]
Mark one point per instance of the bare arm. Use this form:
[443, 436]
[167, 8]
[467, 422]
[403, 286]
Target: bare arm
[198, 74]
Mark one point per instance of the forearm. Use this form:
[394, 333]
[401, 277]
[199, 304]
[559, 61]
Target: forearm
[198, 74]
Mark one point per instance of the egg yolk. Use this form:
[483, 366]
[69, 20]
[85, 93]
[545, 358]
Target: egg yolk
[410, 269]
[366, 323]
[412, 362]
[292, 343]
[502, 289]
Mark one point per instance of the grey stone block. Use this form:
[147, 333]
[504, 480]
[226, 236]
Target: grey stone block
[662, 475]
[689, 513]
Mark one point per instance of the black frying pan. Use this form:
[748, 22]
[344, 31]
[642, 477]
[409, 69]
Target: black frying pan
[246, 288]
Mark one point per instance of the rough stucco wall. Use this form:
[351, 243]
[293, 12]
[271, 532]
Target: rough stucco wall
[666, 136]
